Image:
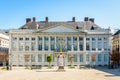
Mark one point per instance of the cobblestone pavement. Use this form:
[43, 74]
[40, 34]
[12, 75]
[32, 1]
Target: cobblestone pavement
[52, 74]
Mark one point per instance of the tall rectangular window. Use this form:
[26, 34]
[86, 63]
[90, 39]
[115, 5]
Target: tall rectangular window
[46, 43]
[21, 45]
[39, 57]
[75, 43]
[99, 45]
[99, 57]
[81, 57]
[81, 43]
[40, 43]
[27, 46]
[32, 46]
[52, 43]
[87, 45]
[75, 57]
[105, 45]
[94, 45]
[32, 58]
[106, 57]
[87, 57]
[68, 43]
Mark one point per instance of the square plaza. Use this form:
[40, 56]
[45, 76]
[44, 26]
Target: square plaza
[19, 73]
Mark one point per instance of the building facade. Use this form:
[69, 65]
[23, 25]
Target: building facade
[85, 41]
[116, 41]
[4, 45]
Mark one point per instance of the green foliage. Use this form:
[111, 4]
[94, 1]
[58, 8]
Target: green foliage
[49, 58]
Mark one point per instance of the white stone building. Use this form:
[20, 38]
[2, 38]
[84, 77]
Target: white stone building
[86, 41]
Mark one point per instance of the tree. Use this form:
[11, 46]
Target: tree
[115, 58]
[49, 60]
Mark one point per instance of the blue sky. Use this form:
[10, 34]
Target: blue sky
[13, 13]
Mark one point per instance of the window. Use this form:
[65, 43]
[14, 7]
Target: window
[92, 28]
[87, 57]
[75, 57]
[105, 46]
[93, 39]
[106, 57]
[52, 43]
[14, 38]
[99, 39]
[20, 38]
[33, 38]
[14, 47]
[21, 44]
[75, 43]
[87, 39]
[68, 43]
[81, 43]
[46, 43]
[40, 43]
[99, 45]
[26, 39]
[81, 57]
[99, 57]
[27, 46]
[93, 45]
[87, 45]
[32, 46]
[39, 57]
[32, 58]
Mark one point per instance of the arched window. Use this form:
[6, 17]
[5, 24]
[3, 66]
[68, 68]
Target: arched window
[92, 28]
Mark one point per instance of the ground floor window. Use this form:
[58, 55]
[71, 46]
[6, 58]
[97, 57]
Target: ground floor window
[39, 57]
[81, 58]
[87, 57]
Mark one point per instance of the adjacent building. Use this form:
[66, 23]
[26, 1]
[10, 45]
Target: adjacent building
[87, 42]
[4, 45]
[116, 41]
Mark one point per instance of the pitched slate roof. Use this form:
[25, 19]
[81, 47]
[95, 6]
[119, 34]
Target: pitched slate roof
[118, 32]
[42, 24]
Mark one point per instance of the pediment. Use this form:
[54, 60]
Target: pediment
[60, 29]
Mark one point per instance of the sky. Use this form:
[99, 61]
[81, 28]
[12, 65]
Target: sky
[13, 13]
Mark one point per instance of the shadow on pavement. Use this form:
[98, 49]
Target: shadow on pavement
[113, 72]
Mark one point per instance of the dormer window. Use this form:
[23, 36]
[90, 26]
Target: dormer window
[92, 28]
[77, 27]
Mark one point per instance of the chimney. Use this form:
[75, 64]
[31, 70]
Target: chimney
[34, 19]
[86, 19]
[91, 19]
[28, 20]
[73, 19]
[46, 19]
